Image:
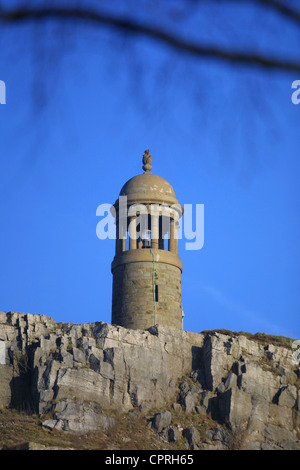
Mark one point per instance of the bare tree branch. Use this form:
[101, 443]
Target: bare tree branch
[126, 25]
[282, 8]
[276, 5]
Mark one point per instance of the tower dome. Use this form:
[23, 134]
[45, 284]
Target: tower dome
[149, 188]
[146, 268]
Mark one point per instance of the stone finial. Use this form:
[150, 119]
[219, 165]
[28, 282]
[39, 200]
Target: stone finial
[147, 160]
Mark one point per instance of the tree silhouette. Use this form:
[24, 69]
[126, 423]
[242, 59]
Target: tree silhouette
[90, 13]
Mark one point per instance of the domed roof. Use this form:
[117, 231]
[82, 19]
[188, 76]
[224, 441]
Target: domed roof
[147, 187]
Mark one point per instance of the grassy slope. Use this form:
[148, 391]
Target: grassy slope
[129, 433]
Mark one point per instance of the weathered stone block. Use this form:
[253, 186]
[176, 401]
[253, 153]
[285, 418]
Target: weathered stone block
[192, 435]
[287, 396]
[162, 420]
[2, 353]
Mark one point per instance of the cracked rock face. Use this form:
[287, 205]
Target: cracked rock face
[111, 367]
[74, 375]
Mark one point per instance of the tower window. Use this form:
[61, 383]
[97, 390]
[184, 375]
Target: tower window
[156, 293]
[146, 238]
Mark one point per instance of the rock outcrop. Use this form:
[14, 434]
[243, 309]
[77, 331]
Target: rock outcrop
[72, 376]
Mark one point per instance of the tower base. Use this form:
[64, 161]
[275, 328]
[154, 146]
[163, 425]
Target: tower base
[141, 300]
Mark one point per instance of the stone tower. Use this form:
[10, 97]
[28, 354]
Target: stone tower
[146, 268]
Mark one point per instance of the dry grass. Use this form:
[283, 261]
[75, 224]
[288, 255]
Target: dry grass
[129, 433]
[261, 338]
[17, 429]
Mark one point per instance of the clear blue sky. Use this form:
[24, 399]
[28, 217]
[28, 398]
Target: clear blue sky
[82, 108]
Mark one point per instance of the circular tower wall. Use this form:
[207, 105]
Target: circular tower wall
[146, 268]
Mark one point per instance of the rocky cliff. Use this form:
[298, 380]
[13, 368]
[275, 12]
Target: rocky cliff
[74, 376]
